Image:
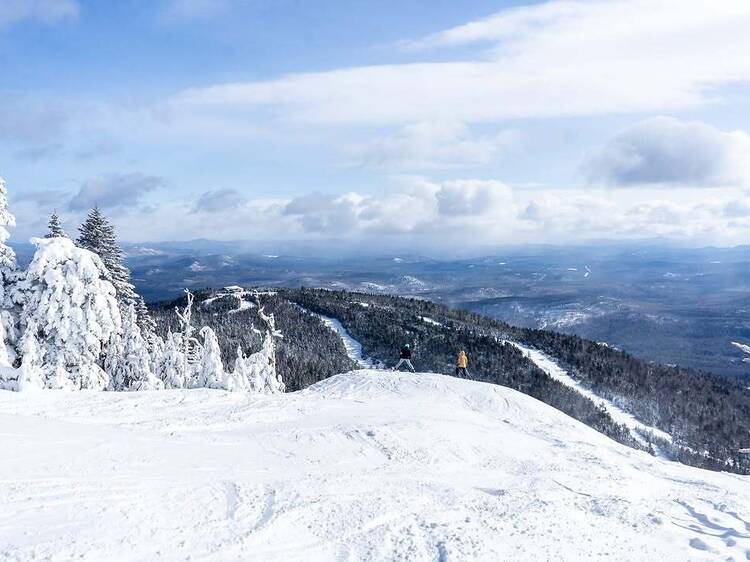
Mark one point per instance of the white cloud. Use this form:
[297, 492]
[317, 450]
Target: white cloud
[218, 200]
[117, 190]
[663, 150]
[432, 145]
[46, 11]
[552, 59]
[474, 198]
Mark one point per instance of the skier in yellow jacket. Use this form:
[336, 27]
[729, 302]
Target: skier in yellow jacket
[461, 365]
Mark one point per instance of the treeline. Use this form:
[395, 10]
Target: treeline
[307, 353]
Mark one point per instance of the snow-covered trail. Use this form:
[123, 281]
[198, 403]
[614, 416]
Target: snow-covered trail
[352, 346]
[549, 366]
[368, 465]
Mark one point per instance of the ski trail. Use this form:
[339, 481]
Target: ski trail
[352, 346]
[549, 366]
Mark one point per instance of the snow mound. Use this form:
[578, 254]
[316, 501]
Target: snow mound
[369, 465]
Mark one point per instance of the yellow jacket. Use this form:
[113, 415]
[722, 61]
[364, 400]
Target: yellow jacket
[463, 361]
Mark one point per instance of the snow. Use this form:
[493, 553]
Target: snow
[369, 465]
[549, 366]
[243, 305]
[196, 266]
[352, 346]
[236, 292]
[428, 320]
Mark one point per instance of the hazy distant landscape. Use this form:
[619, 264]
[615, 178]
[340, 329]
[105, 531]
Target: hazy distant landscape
[671, 305]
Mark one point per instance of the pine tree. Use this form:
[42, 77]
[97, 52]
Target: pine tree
[189, 347]
[29, 375]
[72, 309]
[8, 278]
[145, 321]
[30, 372]
[55, 227]
[257, 372]
[241, 377]
[7, 256]
[172, 369]
[98, 235]
[132, 370]
[209, 370]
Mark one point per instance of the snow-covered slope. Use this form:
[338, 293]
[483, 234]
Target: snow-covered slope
[353, 347]
[367, 465]
[638, 430]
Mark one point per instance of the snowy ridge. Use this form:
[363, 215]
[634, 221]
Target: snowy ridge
[548, 365]
[369, 465]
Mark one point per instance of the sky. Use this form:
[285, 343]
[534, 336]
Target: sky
[415, 123]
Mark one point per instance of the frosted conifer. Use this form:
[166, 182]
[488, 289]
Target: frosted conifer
[55, 227]
[98, 235]
[71, 307]
[132, 370]
[209, 369]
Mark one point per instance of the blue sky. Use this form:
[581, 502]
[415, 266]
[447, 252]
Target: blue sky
[420, 123]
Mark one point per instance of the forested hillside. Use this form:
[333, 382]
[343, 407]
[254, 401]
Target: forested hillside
[307, 353]
[708, 416]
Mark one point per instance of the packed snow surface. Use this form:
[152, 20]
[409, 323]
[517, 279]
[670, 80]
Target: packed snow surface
[368, 465]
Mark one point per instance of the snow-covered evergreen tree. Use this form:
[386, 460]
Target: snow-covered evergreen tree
[54, 226]
[97, 235]
[145, 321]
[29, 375]
[32, 362]
[190, 348]
[58, 377]
[172, 368]
[132, 369]
[257, 372]
[7, 256]
[112, 358]
[72, 308]
[209, 369]
[241, 378]
[8, 278]
[272, 383]
[156, 355]
[265, 363]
